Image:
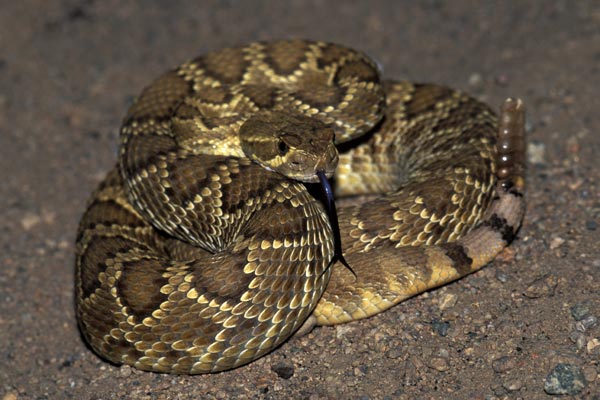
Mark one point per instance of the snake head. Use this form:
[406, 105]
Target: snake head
[293, 145]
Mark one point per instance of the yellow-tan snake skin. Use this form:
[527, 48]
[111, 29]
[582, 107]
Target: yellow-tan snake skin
[208, 246]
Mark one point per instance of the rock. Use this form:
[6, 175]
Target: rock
[501, 276]
[503, 364]
[439, 364]
[512, 385]
[579, 310]
[536, 152]
[30, 220]
[441, 327]
[342, 330]
[394, 353]
[284, 370]
[591, 225]
[589, 373]
[586, 323]
[125, 371]
[448, 301]
[475, 80]
[542, 287]
[592, 345]
[556, 242]
[578, 338]
[565, 379]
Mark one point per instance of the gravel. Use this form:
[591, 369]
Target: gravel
[523, 327]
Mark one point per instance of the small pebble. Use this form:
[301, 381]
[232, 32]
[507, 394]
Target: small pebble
[586, 323]
[591, 225]
[556, 243]
[125, 371]
[503, 364]
[501, 276]
[448, 301]
[578, 338]
[475, 80]
[497, 390]
[579, 310]
[441, 327]
[536, 153]
[589, 373]
[439, 364]
[30, 220]
[284, 370]
[592, 345]
[565, 379]
[502, 80]
[542, 287]
[512, 385]
[394, 353]
[342, 330]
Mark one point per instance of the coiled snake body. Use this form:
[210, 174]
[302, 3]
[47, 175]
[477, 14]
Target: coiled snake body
[207, 246]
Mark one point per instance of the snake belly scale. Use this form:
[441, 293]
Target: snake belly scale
[205, 248]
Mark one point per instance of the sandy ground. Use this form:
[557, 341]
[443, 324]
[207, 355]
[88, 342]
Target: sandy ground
[69, 69]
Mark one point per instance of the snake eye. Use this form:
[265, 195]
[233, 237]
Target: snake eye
[283, 147]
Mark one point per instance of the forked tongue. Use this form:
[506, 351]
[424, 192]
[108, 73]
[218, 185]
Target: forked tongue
[333, 220]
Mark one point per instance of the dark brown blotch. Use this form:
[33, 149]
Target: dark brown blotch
[107, 213]
[320, 96]
[143, 151]
[139, 286]
[220, 276]
[425, 98]
[262, 96]
[285, 56]
[227, 66]
[93, 260]
[160, 98]
[331, 54]
[357, 70]
[500, 225]
[461, 261]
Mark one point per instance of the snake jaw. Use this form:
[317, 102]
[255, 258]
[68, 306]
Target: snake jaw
[333, 220]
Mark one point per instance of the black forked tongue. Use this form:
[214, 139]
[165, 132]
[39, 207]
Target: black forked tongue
[333, 220]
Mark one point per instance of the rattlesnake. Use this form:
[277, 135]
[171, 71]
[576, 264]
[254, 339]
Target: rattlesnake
[203, 250]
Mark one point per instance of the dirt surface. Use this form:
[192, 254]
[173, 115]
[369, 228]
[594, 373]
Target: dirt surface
[68, 71]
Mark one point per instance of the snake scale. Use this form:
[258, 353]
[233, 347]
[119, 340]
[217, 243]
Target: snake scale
[209, 244]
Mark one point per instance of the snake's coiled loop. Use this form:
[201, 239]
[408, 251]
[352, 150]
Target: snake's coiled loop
[194, 255]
